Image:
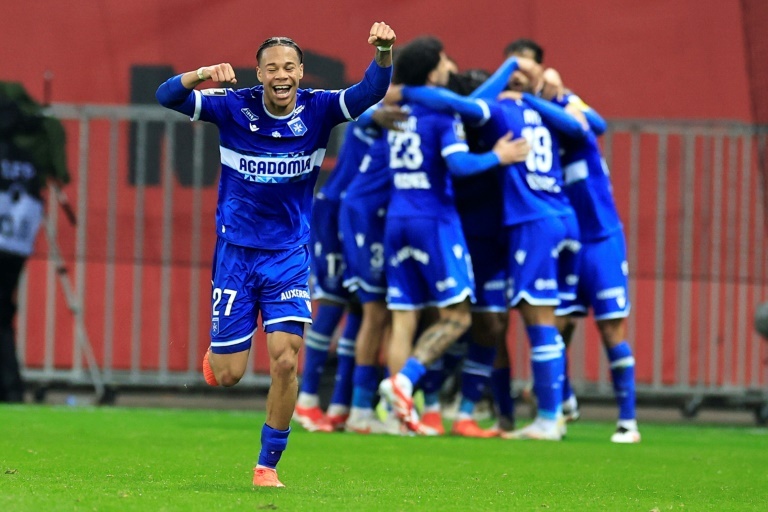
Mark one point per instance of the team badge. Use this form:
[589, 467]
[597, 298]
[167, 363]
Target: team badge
[215, 326]
[250, 115]
[297, 126]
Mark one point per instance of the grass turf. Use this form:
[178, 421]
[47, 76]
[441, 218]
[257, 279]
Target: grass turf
[73, 458]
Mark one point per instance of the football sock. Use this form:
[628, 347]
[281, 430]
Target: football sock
[547, 365]
[475, 376]
[273, 443]
[413, 370]
[566, 383]
[345, 352]
[366, 382]
[317, 342]
[623, 375]
[501, 388]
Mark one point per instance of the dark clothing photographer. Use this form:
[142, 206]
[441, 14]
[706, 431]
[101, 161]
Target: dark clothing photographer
[32, 151]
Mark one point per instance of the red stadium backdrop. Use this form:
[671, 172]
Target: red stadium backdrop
[686, 59]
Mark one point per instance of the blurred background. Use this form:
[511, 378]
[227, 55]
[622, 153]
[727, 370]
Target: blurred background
[682, 83]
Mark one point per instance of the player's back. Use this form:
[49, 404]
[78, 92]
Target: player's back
[421, 183]
[588, 187]
[532, 189]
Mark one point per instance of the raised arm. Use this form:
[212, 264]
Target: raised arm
[176, 92]
[372, 88]
[558, 118]
[472, 110]
[497, 82]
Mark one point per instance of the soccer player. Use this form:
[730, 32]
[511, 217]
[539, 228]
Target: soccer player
[427, 260]
[363, 214]
[331, 295]
[273, 140]
[603, 275]
[537, 218]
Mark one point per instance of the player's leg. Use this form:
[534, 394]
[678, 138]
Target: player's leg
[285, 309]
[607, 270]
[233, 314]
[566, 324]
[327, 264]
[341, 399]
[487, 328]
[501, 388]
[534, 249]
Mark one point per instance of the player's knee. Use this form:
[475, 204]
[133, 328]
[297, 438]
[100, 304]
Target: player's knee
[227, 377]
[285, 364]
[611, 331]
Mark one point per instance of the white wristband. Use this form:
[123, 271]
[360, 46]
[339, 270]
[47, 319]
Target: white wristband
[200, 73]
[384, 48]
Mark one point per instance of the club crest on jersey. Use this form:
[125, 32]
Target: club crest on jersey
[215, 326]
[250, 115]
[297, 126]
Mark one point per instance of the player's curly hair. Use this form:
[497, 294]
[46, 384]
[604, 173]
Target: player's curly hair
[416, 60]
[279, 41]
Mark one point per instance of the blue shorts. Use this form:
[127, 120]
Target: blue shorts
[534, 261]
[327, 259]
[362, 235]
[603, 280]
[427, 263]
[569, 262]
[247, 281]
[489, 262]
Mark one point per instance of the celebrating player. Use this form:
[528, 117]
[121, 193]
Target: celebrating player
[272, 143]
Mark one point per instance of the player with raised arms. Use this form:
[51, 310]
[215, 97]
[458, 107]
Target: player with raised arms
[272, 143]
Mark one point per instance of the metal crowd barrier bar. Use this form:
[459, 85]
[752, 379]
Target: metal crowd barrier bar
[691, 195]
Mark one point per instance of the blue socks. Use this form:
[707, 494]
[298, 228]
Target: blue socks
[317, 342]
[547, 364]
[366, 382]
[623, 375]
[342, 390]
[273, 443]
[475, 375]
[501, 388]
[414, 370]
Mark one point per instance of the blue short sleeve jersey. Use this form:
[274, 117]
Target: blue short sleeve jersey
[421, 183]
[532, 189]
[269, 164]
[588, 187]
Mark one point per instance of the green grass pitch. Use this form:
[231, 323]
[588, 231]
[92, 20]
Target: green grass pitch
[74, 458]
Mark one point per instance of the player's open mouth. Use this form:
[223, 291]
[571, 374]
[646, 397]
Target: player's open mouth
[282, 91]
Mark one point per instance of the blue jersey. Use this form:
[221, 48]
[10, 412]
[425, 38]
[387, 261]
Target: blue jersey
[372, 184]
[357, 140]
[480, 202]
[532, 189]
[588, 186]
[269, 164]
[421, 183]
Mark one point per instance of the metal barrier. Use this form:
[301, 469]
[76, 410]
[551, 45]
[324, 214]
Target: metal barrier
[691, 194]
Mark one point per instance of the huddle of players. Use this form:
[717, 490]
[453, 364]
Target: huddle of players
[439, 230]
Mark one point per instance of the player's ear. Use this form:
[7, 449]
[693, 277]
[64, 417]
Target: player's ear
[301, 71]
[258, 74]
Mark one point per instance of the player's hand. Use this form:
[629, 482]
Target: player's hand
[511, 150]
[576, 112]
[552, 85]
[510, 95]
[390, 117]
[382, 35]
[222, 73]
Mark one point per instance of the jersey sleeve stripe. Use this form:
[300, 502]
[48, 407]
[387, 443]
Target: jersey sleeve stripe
[343, 105]
[454, 148]
[198, 105]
